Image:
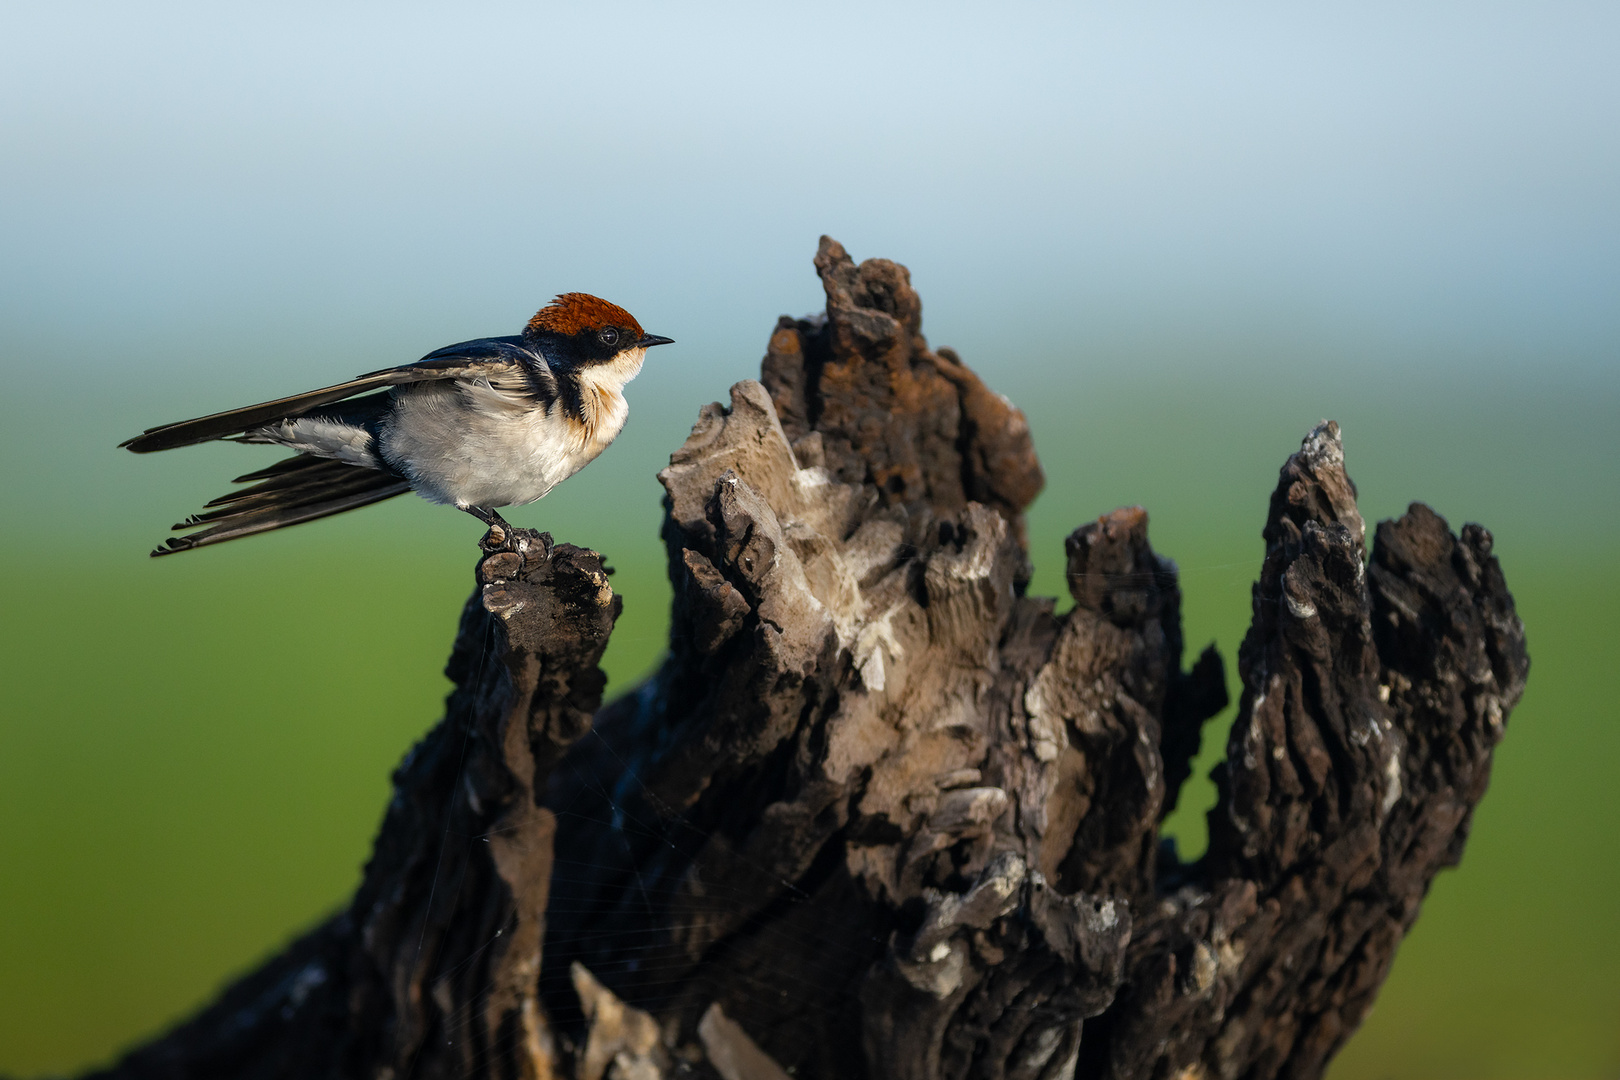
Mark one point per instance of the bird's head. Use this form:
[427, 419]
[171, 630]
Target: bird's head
[578, 330]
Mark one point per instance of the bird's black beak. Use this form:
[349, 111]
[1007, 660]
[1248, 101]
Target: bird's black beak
[649, 340]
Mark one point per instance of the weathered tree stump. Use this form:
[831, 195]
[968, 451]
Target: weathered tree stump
[879, 813]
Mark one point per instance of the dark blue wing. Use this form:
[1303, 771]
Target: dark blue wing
[504, 359]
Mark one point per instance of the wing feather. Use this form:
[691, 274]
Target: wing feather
[493, 358]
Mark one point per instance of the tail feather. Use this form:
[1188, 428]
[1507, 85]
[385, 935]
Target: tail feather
[271, 502]
[324, 472]
[285, 465]
[295, 490]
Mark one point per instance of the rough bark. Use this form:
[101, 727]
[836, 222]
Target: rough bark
[881, 814]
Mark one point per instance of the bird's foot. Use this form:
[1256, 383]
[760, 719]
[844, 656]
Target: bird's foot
[500, 532]
[503, 536]
[500, 537]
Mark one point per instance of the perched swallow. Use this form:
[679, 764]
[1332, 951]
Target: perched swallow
[480, 425]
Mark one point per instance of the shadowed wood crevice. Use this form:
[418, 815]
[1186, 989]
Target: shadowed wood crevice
[881, 814]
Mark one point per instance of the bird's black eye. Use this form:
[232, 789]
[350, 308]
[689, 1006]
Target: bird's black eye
[609, 336]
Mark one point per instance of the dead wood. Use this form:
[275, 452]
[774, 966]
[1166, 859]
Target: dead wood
[881, 814]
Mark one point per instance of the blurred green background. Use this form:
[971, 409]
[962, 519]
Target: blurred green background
[1176, 236]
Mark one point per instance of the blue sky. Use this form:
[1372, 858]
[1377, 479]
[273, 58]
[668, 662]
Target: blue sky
[1427, 184]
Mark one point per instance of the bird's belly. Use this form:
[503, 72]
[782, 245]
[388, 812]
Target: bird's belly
[454, 452]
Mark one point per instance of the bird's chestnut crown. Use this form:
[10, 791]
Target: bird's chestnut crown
[581, 329]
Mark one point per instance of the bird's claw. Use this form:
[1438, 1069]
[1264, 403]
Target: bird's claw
[500, 537]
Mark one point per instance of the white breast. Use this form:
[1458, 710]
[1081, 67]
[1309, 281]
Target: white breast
[469, 444]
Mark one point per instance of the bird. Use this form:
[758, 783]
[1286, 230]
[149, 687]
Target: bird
[478, 425]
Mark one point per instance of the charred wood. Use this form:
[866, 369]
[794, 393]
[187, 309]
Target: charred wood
[879, 813]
